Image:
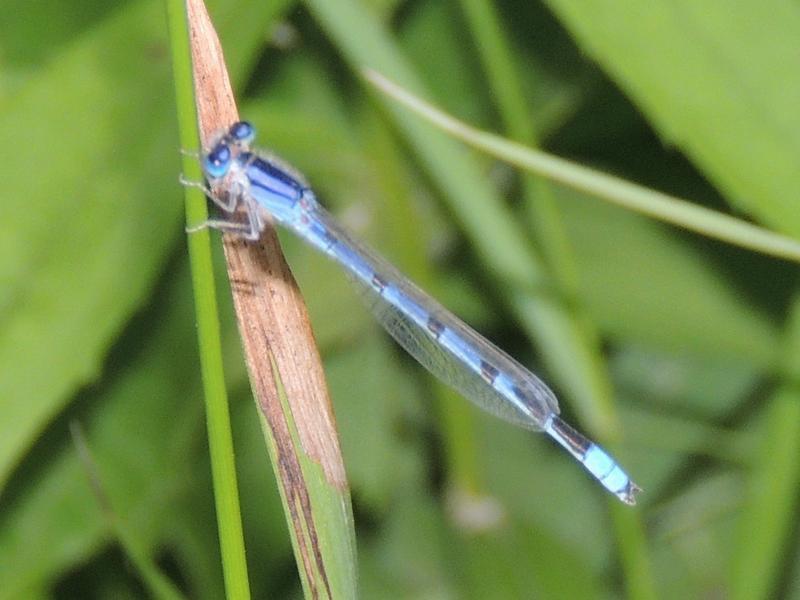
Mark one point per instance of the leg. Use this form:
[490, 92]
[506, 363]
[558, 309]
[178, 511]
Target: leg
[242, 229]
[194, 184]
[250, 231]
[228, 205]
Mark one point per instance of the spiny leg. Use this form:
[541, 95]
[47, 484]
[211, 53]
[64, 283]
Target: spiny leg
[228, 205]
[250, 231]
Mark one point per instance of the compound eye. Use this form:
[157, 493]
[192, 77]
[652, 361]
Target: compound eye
[218, 161]
[242, 132]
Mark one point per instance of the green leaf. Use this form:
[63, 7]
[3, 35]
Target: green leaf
[143, 430]
[717, 79]
[772, 499]
[87, 231]
[644, 285]
[373, 397]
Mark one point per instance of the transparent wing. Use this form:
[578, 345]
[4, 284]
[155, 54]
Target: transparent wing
[442, 343]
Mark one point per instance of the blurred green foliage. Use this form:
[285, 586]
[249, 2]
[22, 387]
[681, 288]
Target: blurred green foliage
[699, 339]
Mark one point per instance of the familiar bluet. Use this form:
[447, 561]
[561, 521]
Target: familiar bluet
[242, 180]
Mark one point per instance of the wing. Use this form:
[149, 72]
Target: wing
[437, 339]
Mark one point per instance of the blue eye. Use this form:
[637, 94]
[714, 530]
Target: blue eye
[218, 161]
[242, 132]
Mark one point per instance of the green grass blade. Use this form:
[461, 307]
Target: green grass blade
[774, 486]
[767, 517]
[500, 66]
[220, 438]
[664, 207]
[547, 221]
[157, 583]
